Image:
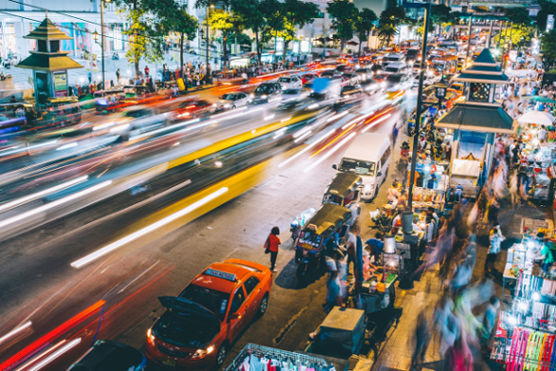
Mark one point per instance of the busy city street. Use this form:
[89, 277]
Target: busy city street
[260, 185]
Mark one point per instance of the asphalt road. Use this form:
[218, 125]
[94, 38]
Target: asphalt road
[115, 296]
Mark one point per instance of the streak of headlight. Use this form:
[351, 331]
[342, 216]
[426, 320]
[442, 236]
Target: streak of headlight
[102, 126]
[279, 133]
[67, 146]
[299, 139]
[148, 229]
[302, 131]
[53, 204]
[329, 153]
[167, 128]
[15, 331]
[23, 149]
[349, 123]
[336, 117]
[34, 196]
[64, 347]
[313, 106]
[269, 117]
[382, 102]
[119, 128]
[326, 135]
[286, 119]
[376, 123]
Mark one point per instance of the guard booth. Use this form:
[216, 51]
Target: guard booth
[48, 62]
[476, 123]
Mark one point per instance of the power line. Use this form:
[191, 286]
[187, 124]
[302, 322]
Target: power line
[85, 30]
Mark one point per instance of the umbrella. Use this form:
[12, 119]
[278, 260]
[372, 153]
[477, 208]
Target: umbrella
[536, 117]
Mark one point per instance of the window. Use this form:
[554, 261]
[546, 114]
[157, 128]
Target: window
[238, 299]
[250, 284]
[385, 156]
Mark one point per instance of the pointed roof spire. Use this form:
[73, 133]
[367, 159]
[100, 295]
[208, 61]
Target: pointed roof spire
[485, 58]
[47, 31]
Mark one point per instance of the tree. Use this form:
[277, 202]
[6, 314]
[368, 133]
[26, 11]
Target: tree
[547, 7]
[344, 14]
[297, 14]
[386, 33]
[274, 18]
[224, 22]
[363, 25]
[548, 47]
[145, 39]
[251, 14]
[175, 18]
[518, 16]
[441, 16]
[518, 35]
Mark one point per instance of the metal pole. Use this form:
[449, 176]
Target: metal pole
[207, 38]
[418, 108]
[490, 33]
[469, 29]
[102, 41]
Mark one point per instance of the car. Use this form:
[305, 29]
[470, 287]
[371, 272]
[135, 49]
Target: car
[351, 90]
[290, 82]
[193, 108]
[201, 323]
[232, 100]
[396, 80]
[330, 73]
[350, 78]
[109, 355]
[307, 78]
[371, 86]
[266, 92]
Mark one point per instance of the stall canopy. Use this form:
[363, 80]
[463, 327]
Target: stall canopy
[541, 99]
[536, 117]
[481, 118]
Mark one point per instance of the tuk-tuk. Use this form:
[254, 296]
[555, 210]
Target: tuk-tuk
[318, 234]
[343, 190]
[58, 112]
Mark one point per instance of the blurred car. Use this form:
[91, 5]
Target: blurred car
[266, 92]
[329, 73]
[193, 108]
[199, 326]
[324, 88]
[232, 100]
[397, 81]
[307, 78]
[108, 355]
[290, 82]
[371, 86]
[350, 78]
[351, 90]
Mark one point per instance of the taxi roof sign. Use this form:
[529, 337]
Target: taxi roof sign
[220, 274]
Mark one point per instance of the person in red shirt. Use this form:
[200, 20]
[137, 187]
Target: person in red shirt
[272, 245]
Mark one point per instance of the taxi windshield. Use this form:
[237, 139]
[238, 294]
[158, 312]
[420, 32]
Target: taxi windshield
[215, 301]
[358, 166]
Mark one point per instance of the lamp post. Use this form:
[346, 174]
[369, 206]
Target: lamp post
[207, 35]
[102, 41]
[418, 108]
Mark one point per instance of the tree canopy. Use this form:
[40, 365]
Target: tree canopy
[364, 25]
[548, 47]
[344, 13]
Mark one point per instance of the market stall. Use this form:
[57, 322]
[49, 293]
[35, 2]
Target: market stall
[252, 357]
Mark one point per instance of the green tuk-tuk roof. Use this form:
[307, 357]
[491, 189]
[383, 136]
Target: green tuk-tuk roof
[328, 218]
[344, 183]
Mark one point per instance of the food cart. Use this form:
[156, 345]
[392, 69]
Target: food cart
[341, 334]
[326, 225]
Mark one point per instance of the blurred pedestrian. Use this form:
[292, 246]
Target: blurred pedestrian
[422, 338]
[272, 246]
[118, 75]
[495, 239]
[147, 71]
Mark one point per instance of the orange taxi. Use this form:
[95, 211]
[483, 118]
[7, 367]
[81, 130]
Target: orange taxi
[199, 325]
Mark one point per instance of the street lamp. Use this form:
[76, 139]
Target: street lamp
[207, 36]
[102, 40]
[418, 108]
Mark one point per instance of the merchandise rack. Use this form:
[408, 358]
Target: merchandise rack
[295, 357]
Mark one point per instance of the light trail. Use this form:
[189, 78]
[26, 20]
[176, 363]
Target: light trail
[338, 116]
[28, 148]
[299, 139]
[376, 122]
[308, 148]
[64, 347]
[67, 146]
[145, 230]
[53, 204]
[269, 117]
[34, 196]
[15, 331]
[330, 153]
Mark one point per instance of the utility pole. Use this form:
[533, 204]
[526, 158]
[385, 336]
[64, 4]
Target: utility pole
[490, 32]
[207, 37]
[102, 42]
[469, 29]
[418, 108]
